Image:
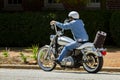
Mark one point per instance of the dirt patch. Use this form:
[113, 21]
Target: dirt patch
[112, 59]
[13, 56]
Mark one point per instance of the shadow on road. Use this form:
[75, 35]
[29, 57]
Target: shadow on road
[83, 72]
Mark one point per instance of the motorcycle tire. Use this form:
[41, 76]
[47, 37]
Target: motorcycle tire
[44, 60]
[93, 64]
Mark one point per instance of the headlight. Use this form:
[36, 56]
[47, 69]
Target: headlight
[52, 37]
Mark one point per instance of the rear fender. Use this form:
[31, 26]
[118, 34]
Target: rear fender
[90, 49]
[95, 53]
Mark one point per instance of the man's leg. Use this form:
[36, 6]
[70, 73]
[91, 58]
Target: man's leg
[66, 49]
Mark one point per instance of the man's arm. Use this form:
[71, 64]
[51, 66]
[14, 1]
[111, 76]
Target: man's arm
[65, 26]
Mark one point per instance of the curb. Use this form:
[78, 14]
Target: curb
[111, 69]
[10, 66]
[19, 66]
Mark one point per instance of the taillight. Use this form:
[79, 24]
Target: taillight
[103, 53]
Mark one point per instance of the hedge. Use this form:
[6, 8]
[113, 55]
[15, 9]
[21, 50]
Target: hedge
[28, 28]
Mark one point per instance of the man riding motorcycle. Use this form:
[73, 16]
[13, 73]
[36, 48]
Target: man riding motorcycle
[76, 26]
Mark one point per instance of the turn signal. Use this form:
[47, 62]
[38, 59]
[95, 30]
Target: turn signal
[103, 53]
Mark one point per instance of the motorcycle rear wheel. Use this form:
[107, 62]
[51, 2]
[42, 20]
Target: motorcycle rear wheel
[45, 60]
[93, 64]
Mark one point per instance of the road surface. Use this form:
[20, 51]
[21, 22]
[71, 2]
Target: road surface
[30, 74]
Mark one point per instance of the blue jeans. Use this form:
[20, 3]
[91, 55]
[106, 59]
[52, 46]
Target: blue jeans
[68, 48]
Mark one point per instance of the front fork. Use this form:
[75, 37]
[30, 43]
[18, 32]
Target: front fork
[54, 47]
[48, 52]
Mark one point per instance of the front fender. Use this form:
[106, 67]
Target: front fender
[46, 46]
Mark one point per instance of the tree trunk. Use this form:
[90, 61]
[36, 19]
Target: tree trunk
[103, 4]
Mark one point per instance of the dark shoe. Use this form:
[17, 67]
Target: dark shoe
[56, 61]
[59, 63]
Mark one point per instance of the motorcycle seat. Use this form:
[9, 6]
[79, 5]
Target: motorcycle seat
[82, 42]
[87, 44]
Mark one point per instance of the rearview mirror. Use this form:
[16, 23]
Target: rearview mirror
[66, 20]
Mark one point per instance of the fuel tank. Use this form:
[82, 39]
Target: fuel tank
[63, 40]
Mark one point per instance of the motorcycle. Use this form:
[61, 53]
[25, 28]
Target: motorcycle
[86, 55]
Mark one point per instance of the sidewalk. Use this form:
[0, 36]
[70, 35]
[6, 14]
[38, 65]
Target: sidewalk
[111, 62]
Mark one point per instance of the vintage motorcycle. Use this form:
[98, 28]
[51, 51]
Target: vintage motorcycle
[87, 55]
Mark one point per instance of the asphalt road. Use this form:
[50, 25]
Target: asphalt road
[30, 74]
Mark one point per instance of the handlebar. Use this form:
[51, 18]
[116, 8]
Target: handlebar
[54, 27]
[59, 33]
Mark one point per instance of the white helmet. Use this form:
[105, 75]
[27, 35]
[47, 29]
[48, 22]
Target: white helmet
[74, 14]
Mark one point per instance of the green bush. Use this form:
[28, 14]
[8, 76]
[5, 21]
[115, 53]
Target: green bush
[115, 27]
[97, 20]
[23, 29]
[28, 28]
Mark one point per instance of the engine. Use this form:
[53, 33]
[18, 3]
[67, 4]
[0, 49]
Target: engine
[68, 61]
[75, 60]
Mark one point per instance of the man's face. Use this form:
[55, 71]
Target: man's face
[70, 19]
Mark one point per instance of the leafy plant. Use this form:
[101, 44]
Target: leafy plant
[34, 51]
[5, 52]
[23, 57]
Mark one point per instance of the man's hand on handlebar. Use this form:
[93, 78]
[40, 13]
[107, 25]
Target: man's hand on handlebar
[53, 22]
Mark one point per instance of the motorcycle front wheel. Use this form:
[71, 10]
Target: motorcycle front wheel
[45, 59]
[93, 64]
